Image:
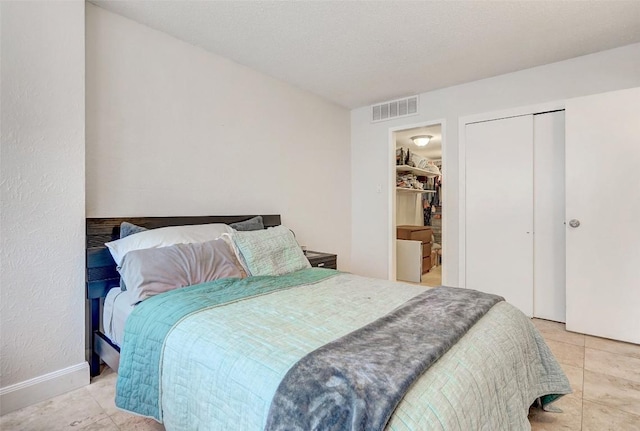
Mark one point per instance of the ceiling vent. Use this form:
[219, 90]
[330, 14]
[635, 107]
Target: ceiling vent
[394, 109]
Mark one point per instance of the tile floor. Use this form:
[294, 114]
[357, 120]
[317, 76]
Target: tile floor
[433, 277]
[605, 376]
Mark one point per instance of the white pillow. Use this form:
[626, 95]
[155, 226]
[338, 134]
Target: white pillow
[166, 236]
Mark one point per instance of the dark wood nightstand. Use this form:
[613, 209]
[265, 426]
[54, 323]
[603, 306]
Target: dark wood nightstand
[322, 260]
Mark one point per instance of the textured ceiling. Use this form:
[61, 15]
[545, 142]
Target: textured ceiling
[357, 53]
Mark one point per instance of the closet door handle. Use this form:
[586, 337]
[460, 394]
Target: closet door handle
[574, 223]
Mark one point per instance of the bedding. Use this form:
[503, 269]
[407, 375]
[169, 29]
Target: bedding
[151, 271]
[165, 236]
[101, 268]
[273, 251]
[116, 310]
[254, 223]
[127, 229]
[396, 348]
[154, 318]
[219, 366]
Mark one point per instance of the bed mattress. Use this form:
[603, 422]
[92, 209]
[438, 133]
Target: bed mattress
[244, 346]
[117, 308]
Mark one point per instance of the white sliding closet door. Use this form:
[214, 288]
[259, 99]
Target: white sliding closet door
[549, 299]
[499, 209]
[603, 194]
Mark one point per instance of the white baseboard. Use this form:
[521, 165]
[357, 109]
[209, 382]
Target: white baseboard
[42, 388]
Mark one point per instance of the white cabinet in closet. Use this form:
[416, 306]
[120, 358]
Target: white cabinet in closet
[409, 260]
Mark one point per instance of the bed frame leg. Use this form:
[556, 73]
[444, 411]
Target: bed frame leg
[94, 363]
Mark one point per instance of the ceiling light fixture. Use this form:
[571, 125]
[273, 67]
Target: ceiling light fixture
[421, 140]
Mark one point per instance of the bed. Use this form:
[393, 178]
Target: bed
[228, 363]
[102, 275]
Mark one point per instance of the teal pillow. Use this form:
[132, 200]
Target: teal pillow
[272, 251]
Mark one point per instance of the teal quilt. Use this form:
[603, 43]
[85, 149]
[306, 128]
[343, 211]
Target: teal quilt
[138, 386]
[212, 356]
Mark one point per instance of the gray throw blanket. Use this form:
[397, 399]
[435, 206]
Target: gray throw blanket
[356, 382]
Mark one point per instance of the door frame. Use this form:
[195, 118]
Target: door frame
[391, 180]
[462, 123]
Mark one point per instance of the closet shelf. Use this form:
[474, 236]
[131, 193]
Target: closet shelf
[408, 190]
[416, 171]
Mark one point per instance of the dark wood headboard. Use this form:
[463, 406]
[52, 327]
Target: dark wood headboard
[101, 274]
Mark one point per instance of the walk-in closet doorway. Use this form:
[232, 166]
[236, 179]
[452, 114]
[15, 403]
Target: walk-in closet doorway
[417, 203]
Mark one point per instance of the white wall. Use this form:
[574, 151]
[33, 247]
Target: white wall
[608, 70]
[175, 130]
[409, 209]
[42, 312]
